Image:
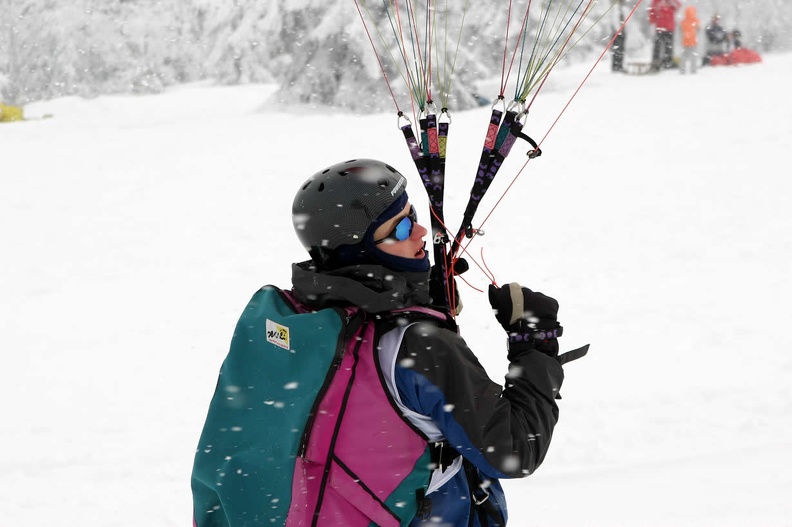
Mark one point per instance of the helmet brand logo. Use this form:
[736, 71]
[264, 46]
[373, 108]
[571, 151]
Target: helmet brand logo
[277, 334]
[399, 185]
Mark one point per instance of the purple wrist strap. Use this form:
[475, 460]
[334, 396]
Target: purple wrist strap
[533, 336]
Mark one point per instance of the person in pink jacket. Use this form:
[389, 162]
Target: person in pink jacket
[662, 15]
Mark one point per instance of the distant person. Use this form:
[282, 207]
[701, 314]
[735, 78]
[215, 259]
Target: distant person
[735, 40]
[662, 15]
[690, 28]
[619, 43]
[617, 60]
[716, 40]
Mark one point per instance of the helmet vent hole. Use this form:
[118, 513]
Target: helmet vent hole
[308, 184]
[343, 173]
[325, 171]
[321, 187]
[390, 168]
[383, 183]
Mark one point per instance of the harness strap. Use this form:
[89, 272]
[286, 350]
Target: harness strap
[442, 454]
[491, 161]
[480, 505]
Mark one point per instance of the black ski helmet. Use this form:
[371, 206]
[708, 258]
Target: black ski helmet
[336, 206]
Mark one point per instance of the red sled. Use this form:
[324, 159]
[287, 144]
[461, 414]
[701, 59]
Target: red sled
[738, 56]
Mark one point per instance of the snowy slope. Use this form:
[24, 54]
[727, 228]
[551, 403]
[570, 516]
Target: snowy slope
[135, 229]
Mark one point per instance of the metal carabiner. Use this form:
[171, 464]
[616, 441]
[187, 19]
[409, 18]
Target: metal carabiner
[401, 116]
[486, 496]
[446, 113]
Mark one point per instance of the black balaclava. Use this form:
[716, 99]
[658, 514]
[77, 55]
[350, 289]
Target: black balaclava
[366, 252]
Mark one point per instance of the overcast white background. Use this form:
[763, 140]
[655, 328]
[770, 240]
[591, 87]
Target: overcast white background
[135, 229]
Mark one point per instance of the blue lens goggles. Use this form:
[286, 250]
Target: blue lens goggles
[403, 229]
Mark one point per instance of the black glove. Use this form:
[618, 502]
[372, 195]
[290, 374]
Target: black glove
[530, 319]
[436, 289]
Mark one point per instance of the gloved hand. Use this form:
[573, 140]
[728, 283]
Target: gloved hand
[530, 318]
[436, 289]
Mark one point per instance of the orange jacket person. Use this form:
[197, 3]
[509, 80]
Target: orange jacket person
[690, 27]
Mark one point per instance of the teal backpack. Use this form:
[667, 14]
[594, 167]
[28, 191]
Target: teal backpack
[284, 442]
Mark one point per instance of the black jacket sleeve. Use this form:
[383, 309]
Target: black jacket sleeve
[505, 431]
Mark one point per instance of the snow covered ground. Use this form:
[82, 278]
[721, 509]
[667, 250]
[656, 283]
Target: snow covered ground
[134, 230]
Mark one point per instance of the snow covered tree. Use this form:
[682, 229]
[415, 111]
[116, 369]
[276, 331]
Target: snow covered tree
[234, 36]
[320, 56]
[325, 57]
[317, 51]
[89, 47]
[20, 38]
